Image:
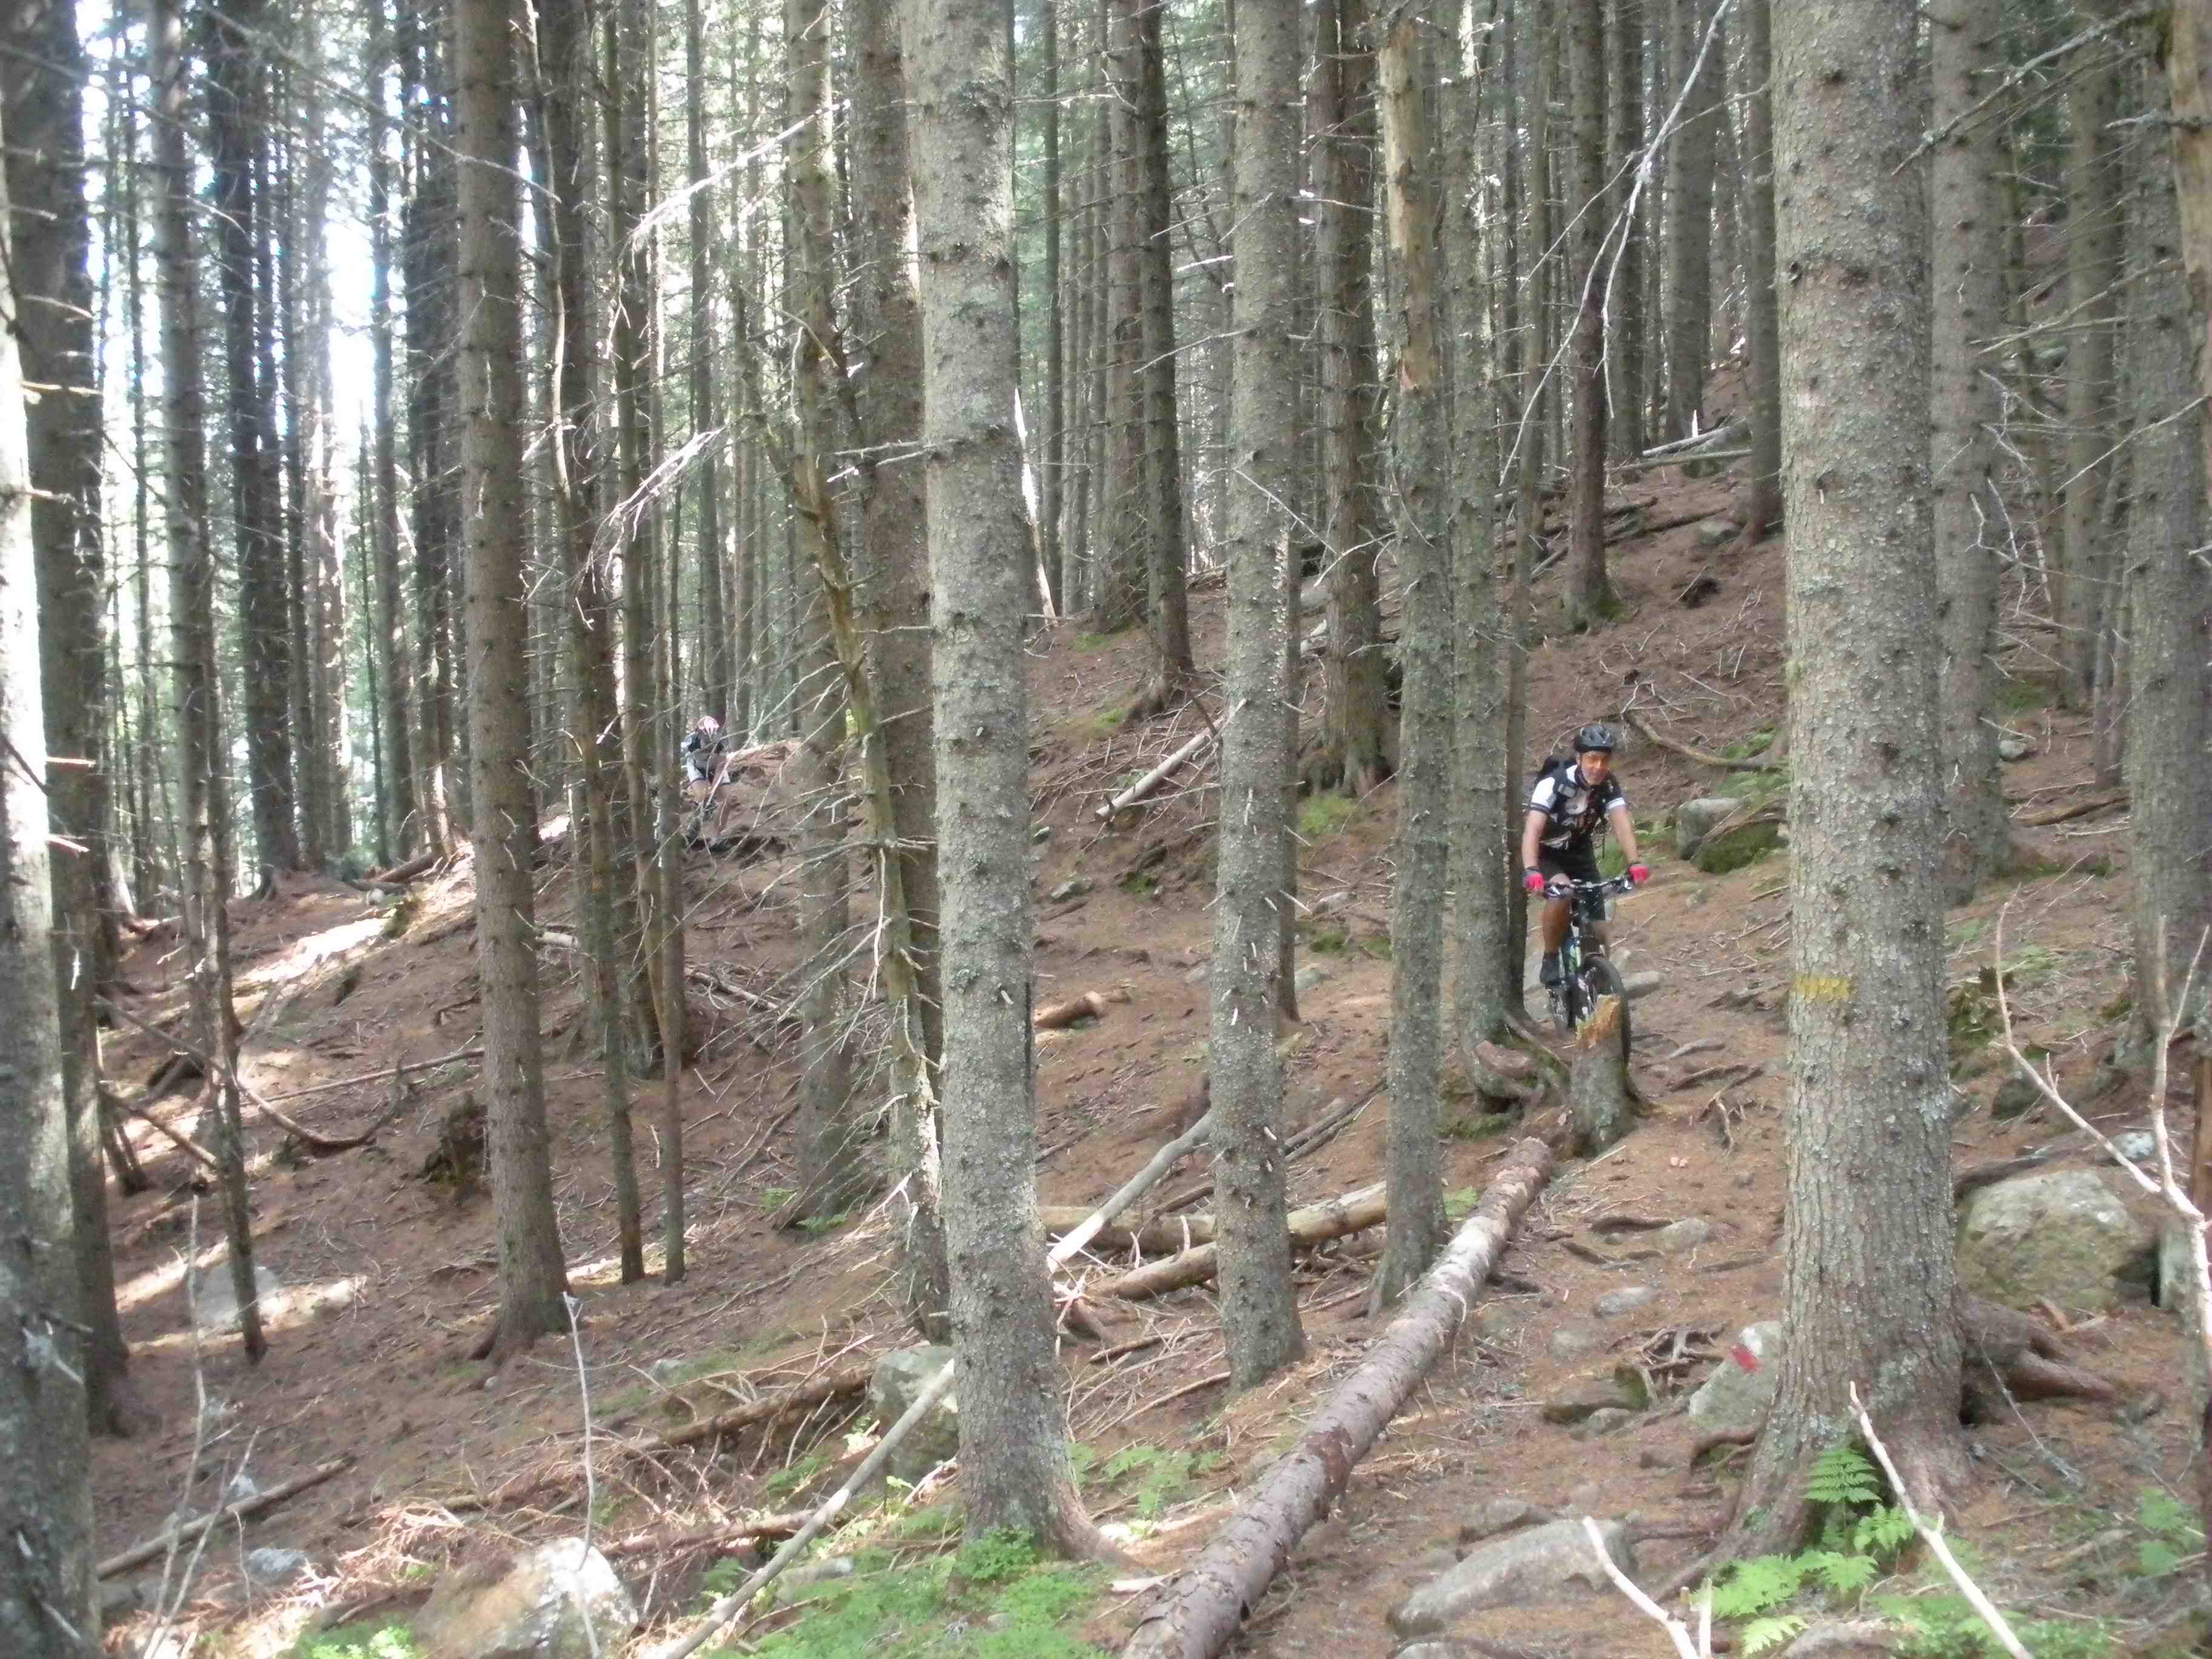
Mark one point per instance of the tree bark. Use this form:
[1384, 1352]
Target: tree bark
[397, 795]
[42, 94]
[1589, 594]
[2095, 226]
[1355, 756]
[533, 1285]
[1689, 218]
[1967, 267]
[894, 535]
[1760, 500]
[714, 673]
[1870, 1287]
[1014, 1468]
[45, 1493]
[206, 803]
[1415, 219]
[1259, 1300]
[1199, 1610]
[1625, 349]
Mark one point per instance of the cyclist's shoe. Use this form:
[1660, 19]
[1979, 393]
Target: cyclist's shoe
[1548, 974]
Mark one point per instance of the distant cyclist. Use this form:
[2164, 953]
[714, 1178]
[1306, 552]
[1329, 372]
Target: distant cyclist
[1569, 806]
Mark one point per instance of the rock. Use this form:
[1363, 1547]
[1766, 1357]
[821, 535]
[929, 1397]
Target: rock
[901, 1376]
[1687, 1234]
[2014, 1096]
[1437, 1650]
[1737, 1395]
[1505, 1062]
[239, 1488]
[1642, 983]
[269, 1567]
[1717, 532]
[1601, 1422]
[1543, 1564]
[2056, 1234]
[2014, 749]
[1589, 1395]
[1627, 1299]
[1747, 843]
[1040, 835]
[1572, 1341]
[1694, 818]
[558, 1601]
[216, 1303]
[665, 1371]
[1073, 887]
[2137, 1146]
[2175, 1269]
[1497, 1515]
[1312, 974]
[1329, 903]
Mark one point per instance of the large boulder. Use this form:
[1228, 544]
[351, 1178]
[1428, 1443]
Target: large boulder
[2059, 1236]
[1543, 1564]
[900, 1377]
[1731, 850]
[1692, 818]
[558, 1601]
[1739, 1393]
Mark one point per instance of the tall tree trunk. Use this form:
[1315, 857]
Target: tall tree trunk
[714, 671]
[1689, 215]
[1758, 503]
[1415, 219]
[832, 1174]
[1355, 756]
[1626, 350]
[237, 110]
[2096, 222]
[1055, 416]
[1589, 592]
[533, 1284]
[398, 801]
[1484, 776]
[1259, 1297]
[1966, 267]
[2171, 607]
[50, 1610]
[604, 896]
[1168, 563]
[1869, 1283]
[41, 90]
[894, 534]
[1119, 590]
[206, 803]
[1014, 1468]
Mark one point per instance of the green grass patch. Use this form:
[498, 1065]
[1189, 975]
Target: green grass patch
[1476, 1126]
[1327, 942]
[1460, 1205]
[1155, 1477]
[368, 1640]
[1011, 1604]
[1745, 748]
[794, 1477]
[2015, 694]
[1093, 641]
[1321, 815]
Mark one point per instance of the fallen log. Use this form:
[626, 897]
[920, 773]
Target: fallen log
[1164, 1237]
[240, 1510]
[1091, 1005]
[2080, 808]
[1315, 1223]
[1159, 774]
[835, 1386]
[1200, 1607]
[384, 1076]
[400, 873]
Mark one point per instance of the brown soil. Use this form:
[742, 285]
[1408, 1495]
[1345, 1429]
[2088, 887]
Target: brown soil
[390, 1276]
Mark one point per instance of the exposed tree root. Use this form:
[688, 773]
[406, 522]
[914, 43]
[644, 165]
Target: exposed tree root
[1164, 693]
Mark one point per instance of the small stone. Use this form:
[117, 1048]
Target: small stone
[268, 1567]
[1329, 903]
[1642, 983]
[1604, 1421]
[665, 1371]
[1715, 533]
[1627, 1299]
[560, 1600]
[2143, 1409]
[1540, 1564]
[1685, 1235]
[1073, 887]
[2014, 749]
[1313, 975]
[1040, 835]
[2137, 1146]
[1197, 975]
[240, 1489]
[2014, 1096]
[1741, 1386]
[1573, 1341]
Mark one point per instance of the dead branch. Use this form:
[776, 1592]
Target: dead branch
[1315, 1223]
[1091, 1005]
[185, 1143]
[385, 1075]
[240, 1510]
[400, 874]
[1755, 763]
[835, 1386]
[1315, 1134]
[2080, 808]
[1164, 1237]
[1199, 1610]
[1159, 774]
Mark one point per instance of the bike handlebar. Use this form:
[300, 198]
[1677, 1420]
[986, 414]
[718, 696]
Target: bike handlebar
[1561, 886]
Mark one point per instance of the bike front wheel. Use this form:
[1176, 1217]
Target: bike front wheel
[1586, 995]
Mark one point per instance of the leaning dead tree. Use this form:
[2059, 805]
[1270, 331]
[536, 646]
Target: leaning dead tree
[1201, 1606]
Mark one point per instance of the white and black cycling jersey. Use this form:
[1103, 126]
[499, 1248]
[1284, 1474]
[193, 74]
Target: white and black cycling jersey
[1575, 807]
[702, 755]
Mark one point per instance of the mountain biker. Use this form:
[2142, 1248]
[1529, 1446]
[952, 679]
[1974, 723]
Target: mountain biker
[705, 760]
[1571, 805]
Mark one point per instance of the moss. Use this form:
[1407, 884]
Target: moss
[368, 1640]
[1321, 815]
[1757, 744]
[1719, 855]
[1327, 942]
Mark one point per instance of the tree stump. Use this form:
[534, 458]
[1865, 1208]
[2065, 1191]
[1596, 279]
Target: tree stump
[1597, 1080]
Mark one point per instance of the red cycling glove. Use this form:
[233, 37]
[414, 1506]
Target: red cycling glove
[1533, 880]
[1639, 874]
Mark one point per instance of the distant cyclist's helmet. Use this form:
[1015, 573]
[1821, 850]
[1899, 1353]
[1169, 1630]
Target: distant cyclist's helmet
[708, 725]
[1597, 735]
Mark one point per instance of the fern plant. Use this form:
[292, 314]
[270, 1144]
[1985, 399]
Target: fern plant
[1861, 1533]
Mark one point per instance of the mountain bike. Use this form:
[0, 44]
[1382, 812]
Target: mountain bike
[1586, 977]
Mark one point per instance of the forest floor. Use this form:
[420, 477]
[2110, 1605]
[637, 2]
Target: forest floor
[387, 1278]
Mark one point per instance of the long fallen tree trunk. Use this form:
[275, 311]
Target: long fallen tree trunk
[1163, 1237]
[1200, 1609]
[1314, 1223]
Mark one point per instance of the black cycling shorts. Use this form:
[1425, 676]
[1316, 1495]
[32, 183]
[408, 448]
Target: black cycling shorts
[1577, 859]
